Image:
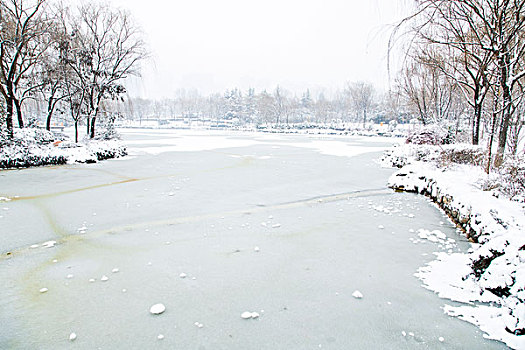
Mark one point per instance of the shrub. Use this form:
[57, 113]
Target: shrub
[434, 134]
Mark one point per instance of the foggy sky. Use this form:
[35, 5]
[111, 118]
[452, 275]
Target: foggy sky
[212, 45]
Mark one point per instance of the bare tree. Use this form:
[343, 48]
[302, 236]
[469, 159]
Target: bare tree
[107, 49]
[21, 23]
[362, 95]
[486, 34]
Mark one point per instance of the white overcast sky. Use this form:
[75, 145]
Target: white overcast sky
[213, 45]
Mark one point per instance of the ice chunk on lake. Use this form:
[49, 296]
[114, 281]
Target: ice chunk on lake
[357, 294]
[43, 290]
[72, 336]
[49, 244]
[248, 315]
[157, 309]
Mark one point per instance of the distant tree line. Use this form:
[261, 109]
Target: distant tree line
[72, 59]
[466, 59]
[357, 102]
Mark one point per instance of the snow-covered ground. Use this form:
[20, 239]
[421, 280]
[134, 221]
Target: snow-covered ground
[37, 147]
[489, 279]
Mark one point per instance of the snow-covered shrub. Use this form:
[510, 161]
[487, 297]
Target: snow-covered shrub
[36, 147]
[107, 130]
[462, 154]
[434, 134]
[512, 177]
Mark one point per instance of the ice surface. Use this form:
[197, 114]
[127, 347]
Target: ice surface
[316, 252]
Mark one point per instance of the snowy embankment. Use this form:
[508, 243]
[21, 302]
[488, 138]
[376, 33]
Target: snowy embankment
[37, 147]
[490, 278]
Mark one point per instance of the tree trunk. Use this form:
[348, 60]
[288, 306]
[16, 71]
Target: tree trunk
[49, 113]
[19, 113]
[76, 131]
[93, 121]
[491, 141]
[9, 116]
[476, 124]
[506, 112]
[88, 125]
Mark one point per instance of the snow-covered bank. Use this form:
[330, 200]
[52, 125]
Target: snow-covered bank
[37, 147]
[346, 129]
[493, 271]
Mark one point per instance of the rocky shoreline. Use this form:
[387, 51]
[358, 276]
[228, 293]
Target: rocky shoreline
[493, 270]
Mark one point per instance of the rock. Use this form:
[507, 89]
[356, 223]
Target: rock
[357, 294]
[43, 290]
[183, 275]
[255, 315]
[441, 339]
[115, 270]
[256, 249]
[160, 337]
[72, 336]
[157, 309]
[104, 278]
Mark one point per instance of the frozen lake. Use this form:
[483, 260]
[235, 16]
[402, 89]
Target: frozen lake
[215, 224]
